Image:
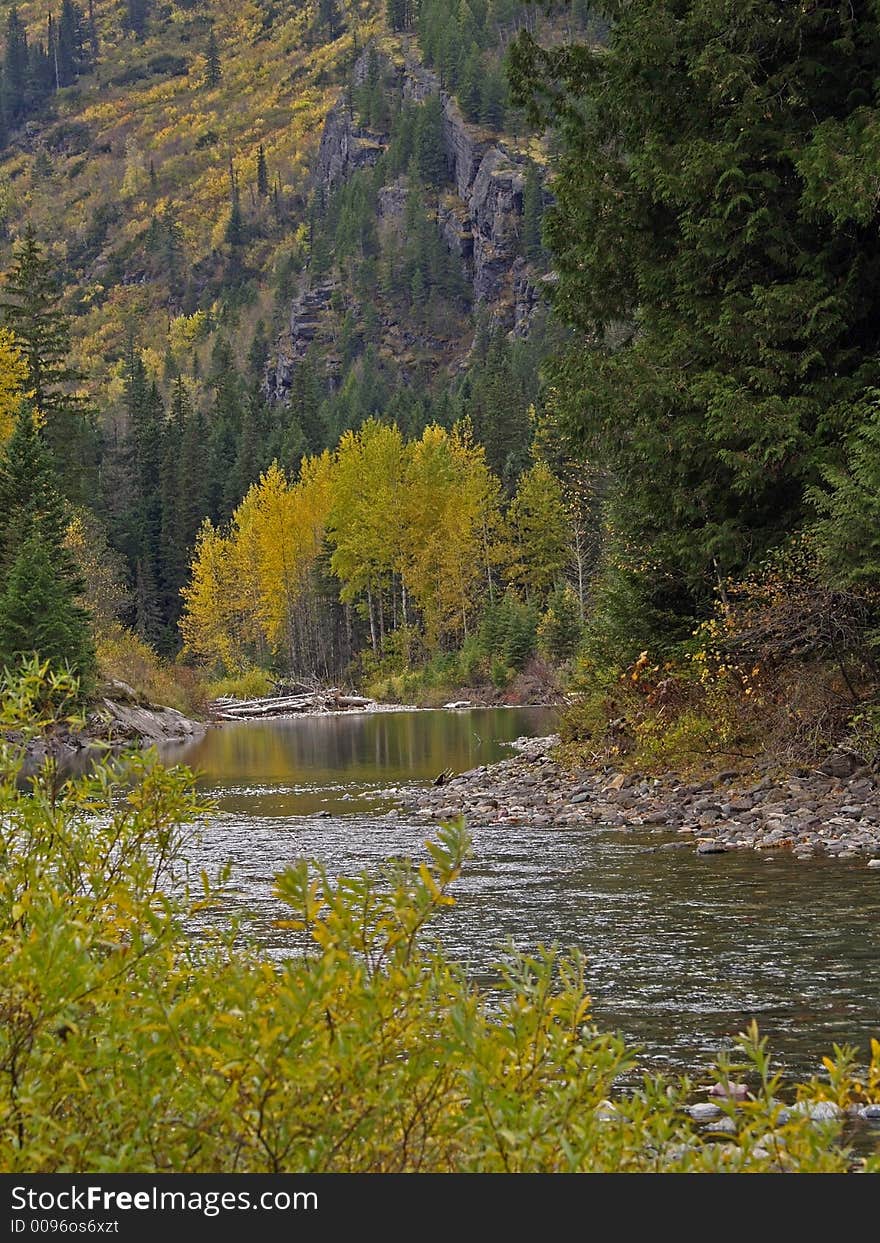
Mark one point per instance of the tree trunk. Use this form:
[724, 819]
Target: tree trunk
[579, 562]
[373, 638]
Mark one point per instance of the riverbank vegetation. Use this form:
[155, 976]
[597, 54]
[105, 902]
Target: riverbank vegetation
[129, 1044]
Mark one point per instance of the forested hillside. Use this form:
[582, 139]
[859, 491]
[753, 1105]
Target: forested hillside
[409, 344]
[259, 225]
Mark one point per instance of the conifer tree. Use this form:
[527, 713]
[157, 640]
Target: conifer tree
[234, 226]
[430, 155]
[29, 303]
[262, 173]
[213, 69]
[38, 605]
[741, 252]
[493, 98]
[68, 44]
[15, 68]
[258, 353]
[330, 18]
[532, 214]
[136, 15]
[849, 505]
[399, 13]
[470, 85]
[560, 630]
[93, 31]
[43, 76]
[38, 613]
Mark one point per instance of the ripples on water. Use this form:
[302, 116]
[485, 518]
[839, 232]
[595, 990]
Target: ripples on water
[683, 949]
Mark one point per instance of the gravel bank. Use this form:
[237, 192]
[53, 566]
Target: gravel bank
[832, 811]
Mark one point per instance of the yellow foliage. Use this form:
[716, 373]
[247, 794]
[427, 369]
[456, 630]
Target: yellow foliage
[452, 516]
[185, 331]
[13, 375]
[247, 584]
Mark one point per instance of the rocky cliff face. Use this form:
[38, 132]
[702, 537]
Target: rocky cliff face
[305, 320]
[345, 148]
[480, 220]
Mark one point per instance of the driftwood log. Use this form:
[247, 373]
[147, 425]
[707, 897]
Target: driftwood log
[332, 700]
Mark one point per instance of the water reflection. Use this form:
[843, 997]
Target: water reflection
[343, 763]
[683, 950]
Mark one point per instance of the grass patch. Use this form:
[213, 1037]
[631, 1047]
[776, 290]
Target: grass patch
[251, 684]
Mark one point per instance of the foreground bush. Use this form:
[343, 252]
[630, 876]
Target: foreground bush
[128, 1045]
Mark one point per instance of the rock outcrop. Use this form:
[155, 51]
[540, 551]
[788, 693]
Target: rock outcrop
[119, 722]
[480, 222]
[305, 320]
[345, 147]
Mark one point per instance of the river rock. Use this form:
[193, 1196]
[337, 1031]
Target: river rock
[704, 1111]
[709, 846]
[723, 1126]
[870, 1113]
[729, 1091]
[841, 764]
[818, 1111]
[150, 725]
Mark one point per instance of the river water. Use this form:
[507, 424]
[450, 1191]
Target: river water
[683, 949]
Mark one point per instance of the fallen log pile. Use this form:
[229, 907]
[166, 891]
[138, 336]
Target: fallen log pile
[332, 700]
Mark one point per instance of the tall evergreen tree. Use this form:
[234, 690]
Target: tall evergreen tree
[173, 535]
[532, 214]
[430, 154]
[136, 15]
[29, 304]
[224, 433]
[262, 173]
[727, 280]
[30, 308]
[39, 614]
[235, 224]
[42, 70]
[213, 69]
[68, 47]
[16, 67]
[93, 31]
[399, 13]
[330, 18]
[39, 610]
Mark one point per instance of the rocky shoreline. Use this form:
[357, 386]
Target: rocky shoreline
[832, 811]
[117, 719]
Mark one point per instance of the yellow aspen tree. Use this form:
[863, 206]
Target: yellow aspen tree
[364, 523]
[276, 552]
[209, 624]
[245, 576]
[451, 509]
[291, 520]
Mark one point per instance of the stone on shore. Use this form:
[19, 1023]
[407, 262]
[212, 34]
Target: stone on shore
[810, 814]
